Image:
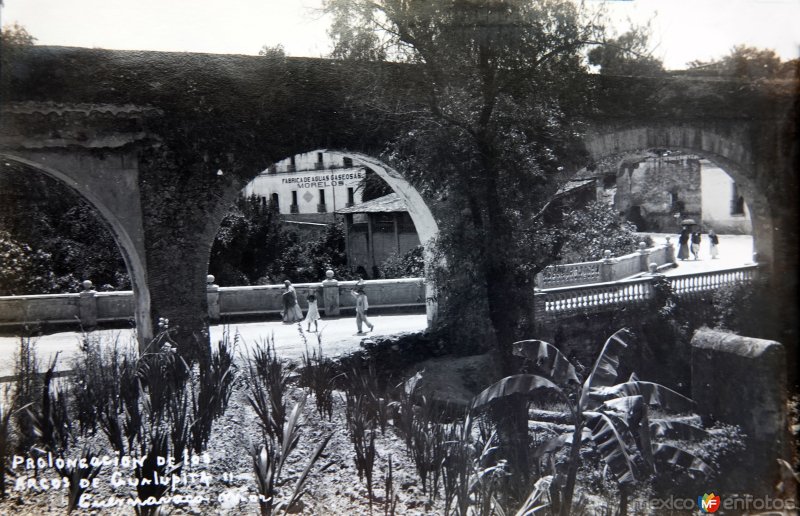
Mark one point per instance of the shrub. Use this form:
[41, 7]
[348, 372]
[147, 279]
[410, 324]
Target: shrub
[408, 265]
[317, 376]
[592, 229]
[267, 385]
[744, 308]
[105, 391]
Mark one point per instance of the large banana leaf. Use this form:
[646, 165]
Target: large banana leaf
[548, 361]
[515, 384]
[632, 411]
[617, 452]
[666, 429]
[604, 372]
[655, 395]
[538, 498]
[667, 454]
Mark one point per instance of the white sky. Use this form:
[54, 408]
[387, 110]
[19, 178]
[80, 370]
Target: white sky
[683, 30]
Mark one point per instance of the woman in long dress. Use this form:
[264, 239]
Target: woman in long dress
[683, 240]
[291, 310]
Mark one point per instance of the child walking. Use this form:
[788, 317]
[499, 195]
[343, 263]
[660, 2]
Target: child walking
[361, 310]
[313, 312]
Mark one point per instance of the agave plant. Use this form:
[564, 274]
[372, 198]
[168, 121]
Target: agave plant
[269, 458]
[613, 417]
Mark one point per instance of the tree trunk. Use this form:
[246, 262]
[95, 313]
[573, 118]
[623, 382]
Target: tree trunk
[511, 413]
[573, 464]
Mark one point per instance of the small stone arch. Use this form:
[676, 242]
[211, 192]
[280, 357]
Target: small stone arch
[726, 151]
[121, 228]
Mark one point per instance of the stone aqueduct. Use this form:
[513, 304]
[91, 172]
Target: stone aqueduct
[162, 143]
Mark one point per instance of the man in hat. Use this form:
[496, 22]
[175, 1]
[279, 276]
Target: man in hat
[361, 309]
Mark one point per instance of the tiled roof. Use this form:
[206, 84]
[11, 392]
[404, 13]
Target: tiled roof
[386, 204]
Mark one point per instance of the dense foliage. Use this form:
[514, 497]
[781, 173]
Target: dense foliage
[749, 63]
[23, 270]
[56, 238]
[593, 229]
[626, 54]
[255, 247]
[496, 132]
[408, 265]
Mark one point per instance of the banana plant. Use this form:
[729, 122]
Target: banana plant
[611, 416]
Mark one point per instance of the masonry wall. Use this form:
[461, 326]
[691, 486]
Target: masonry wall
[719, 194]
[652, 192]
[742, 381]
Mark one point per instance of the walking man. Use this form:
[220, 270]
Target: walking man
[362, 306]
[696, 244]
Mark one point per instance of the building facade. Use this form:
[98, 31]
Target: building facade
[308, 187]
[376, 230]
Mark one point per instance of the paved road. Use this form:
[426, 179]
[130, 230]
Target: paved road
[338, 336]
[734, 251]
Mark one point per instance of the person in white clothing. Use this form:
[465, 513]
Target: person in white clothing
[313, 312]
[362, 305]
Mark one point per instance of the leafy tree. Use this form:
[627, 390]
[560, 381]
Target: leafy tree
[43, 214]
[627, 54]
[23, 270]
[372, 186]
[495, 126]
[594, 228]
[749, 63]
[408, 265]
[250, 239]
[13, 40]
[491, 130]
[253, 246]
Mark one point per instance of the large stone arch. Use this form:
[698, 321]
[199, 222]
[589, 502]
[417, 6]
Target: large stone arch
[119, 210]
[729, 152]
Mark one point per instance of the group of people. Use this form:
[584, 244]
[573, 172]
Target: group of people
[292, 312]
[689, 240]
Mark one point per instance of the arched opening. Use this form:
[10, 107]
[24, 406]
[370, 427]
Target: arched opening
[656, 189]
[311, 194]
[131, 253]
[722, 191]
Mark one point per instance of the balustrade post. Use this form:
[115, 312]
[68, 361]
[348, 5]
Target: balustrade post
[87, 306]
[607, 267]
[212, 296]
[671, 251]
[644, 257]
[330, 294]
[539, 309]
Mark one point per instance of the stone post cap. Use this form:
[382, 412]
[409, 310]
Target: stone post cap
[87, 285]
[329, 279]
[653, 267]
[669, 240]
[210, 282]
[607, 255]
[642, 247]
